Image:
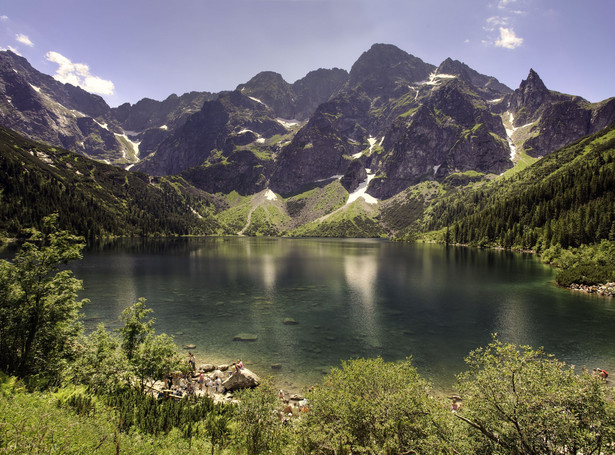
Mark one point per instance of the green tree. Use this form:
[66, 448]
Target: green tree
[258, 428]
[155, 357]
[372, 406]
[136, 327]
[39, 309]
[518, 400]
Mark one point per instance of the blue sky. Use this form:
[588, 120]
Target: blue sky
[126, 50]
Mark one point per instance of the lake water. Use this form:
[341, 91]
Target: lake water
[349, 298]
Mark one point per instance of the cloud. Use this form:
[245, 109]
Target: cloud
[494, 22]
[23, 39]
[508, 39]
[78, 74]
[504, 3]
[4, 17]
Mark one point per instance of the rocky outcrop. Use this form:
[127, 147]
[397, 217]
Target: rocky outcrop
[244, 379]
[558, 119]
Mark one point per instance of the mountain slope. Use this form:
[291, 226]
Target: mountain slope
[565, 199]
[93, 199]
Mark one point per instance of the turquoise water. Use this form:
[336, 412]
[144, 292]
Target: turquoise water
[350, 298]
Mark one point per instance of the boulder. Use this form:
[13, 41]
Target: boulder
[242, 380]
[207, 367]
[189, 346]
[245, 337]
[290, 321]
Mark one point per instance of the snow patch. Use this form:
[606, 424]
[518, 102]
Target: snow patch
[288, 124]
[371, 141]
[333, 177]
[36, 89]
[260, 140]
[361, 190]
[497, 100]
[135, 145]
[435, 169]
[434, 78]
[163, 127]
[270, 195]
[257, 100]
[357, 155]
[102, 125]
[509, 133]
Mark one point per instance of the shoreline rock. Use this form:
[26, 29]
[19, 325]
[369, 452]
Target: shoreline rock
[605, 290]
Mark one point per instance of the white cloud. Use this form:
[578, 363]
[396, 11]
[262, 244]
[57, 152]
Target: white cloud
[4, 17]
[494, 22]
[23, 39]
[78, 74]
[508, 39]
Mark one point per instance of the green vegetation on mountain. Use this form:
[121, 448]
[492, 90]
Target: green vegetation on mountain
[93, 199]
[358, 220]
[560, 203]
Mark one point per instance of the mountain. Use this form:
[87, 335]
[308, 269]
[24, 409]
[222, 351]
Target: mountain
[59, 114]
[391, 126]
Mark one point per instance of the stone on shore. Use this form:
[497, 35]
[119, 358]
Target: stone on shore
[242, 380]
[189, 346]
[290, 321]
[245, 337]
[207, 367]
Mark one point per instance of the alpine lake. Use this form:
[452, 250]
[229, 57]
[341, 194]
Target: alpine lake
[301, 306]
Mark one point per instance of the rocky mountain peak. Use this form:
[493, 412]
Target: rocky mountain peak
[527, 100]
[384, 68]
[486, 85]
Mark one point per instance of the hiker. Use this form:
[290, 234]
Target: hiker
[192, 361]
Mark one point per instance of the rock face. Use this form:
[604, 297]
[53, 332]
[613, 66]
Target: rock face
[241, 380]
[556, 119]
[393, 117]
[46, 110]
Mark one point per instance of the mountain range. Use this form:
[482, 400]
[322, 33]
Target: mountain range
[306, 152]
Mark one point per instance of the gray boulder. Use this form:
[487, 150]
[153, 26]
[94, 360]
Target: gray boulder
[242, 380]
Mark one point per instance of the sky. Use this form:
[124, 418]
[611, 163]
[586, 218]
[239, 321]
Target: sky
[126, 50]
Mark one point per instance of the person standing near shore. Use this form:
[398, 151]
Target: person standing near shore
[192, 361]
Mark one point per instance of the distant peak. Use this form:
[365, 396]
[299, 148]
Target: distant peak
[533, 80]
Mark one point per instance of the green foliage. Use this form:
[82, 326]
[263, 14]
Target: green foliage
[588, 264]
[71, 422]
[372, 406]
[520, 400]
[258, 428]
[38, 306]
[136, 328]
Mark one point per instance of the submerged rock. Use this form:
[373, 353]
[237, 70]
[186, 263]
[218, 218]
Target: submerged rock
[245, 337]
[290, 321]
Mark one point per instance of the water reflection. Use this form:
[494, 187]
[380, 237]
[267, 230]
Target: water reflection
[349, 298]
